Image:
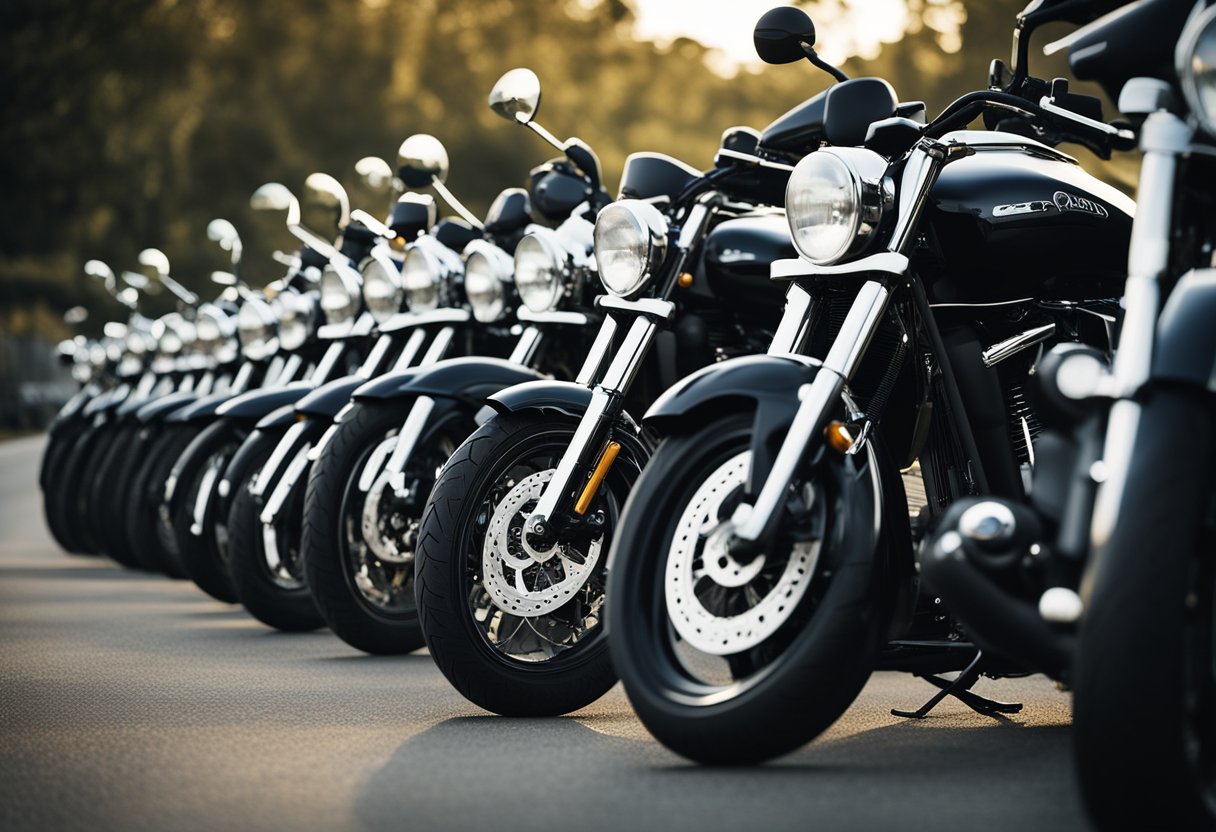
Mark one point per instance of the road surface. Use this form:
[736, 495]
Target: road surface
[132, 702]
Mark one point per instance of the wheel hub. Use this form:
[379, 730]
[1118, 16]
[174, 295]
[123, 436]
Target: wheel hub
[384, 530]
[520, 578]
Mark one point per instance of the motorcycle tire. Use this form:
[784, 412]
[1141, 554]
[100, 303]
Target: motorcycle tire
[333, 547]
[470, 635]
[277, 600]
[781, 690]
[69, 497]
[202, 552]
[149, 543]
[106, 488]
[1144, 685]
[54, 500]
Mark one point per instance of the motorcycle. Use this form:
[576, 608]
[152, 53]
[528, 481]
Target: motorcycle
[374, 473]
[764, 565]
[1102, 576]
[511, 558]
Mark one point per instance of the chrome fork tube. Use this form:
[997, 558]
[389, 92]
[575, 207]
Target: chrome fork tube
[410, 350]
[752, 523]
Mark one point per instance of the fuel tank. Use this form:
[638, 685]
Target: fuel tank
[736, 263]
[1019, 219]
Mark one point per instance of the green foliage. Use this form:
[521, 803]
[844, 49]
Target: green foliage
[131, 123]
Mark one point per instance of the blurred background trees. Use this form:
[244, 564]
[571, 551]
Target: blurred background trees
[131, 123]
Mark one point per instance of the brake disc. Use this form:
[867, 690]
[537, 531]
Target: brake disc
[521, 579]
[698, 552]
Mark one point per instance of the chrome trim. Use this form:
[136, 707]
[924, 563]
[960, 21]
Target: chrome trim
[1010, 347]
[629, 356]
[325, 366]
[555, 317]
[374, 356]
[286, 483]
[526, 346]
[410, 351]
[753, 522]
[694, 224]
[273, 370]
[588, 428]
[794, 327]
[597, 352]
[654, 307]
[435, 316]
[887, 261]
[1048, 103]
[755, 160]
[291, 366]
[407, 439]
[439, 346]
[920, 171]
[280, 452]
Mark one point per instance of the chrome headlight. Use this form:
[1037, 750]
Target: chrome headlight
[630, 243]
[834, 201]
[487, 274]
[295, 319]
[136, 342]
[164, 330]
[538, 270]
[339, 294]
[254, 323]
[382, 289]
[420, 276]
[1196, 62]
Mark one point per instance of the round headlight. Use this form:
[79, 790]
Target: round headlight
[295, 320]
[382, 290]
[630, 243]
[339, 295]
[487, 271]
[420, 278]
[136, 343]
[1196, 59]
[538, 272]
[253, 323]
[164, 330]
[823, 205]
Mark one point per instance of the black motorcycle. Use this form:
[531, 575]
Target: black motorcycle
[764, 565]
[512, 552]
[1103, 576]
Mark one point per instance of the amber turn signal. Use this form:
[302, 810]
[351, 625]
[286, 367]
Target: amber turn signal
[597, 477]
[838, 437]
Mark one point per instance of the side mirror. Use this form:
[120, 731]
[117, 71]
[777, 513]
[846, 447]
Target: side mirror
[516, 96]
[223, 232]
[375, 173]
[422, 160]
[325, 192]
[781, 33]
[100, 271]
[136, 281]
[76, 315]
[154, 259]
[223, 278]
[276, 197]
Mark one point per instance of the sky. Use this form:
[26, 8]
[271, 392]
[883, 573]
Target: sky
[844, 27]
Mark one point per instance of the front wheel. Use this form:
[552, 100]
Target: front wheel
[264, 559]
[360, 533]
[1144, 700]
[735, 661]
[517, 628]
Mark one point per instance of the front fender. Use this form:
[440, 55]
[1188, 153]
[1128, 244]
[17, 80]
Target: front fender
[563, 397]
[470, 379]
[255, 404]
[280, 417]
[329, 398]
[1185, 350]
[765, 384]
[106, 401]
[203, 407]
[160, 407]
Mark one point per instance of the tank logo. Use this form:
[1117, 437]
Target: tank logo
[1014, 210]
[1078, 204]
[735, 255]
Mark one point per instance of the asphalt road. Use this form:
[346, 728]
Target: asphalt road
[133, 702]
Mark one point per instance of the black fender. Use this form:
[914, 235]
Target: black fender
[72, 408]
[254, 404]
[204, 408]
[329, 398]
[157, 409]
[768, 384]
[565, 397]
[106, 401]
[281, 417]
[1185, 349]
[470, 379]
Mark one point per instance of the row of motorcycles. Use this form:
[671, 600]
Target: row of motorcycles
[671, 438]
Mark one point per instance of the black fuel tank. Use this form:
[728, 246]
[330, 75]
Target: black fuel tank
[737, 257]
[1018, 219]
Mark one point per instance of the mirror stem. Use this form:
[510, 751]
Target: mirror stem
[183, 294]
[546, 135]
[451, 200]
[813, 57]
[318, 244]
[372, 224]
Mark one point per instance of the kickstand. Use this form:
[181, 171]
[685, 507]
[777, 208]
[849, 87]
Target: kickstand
[960, 689]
